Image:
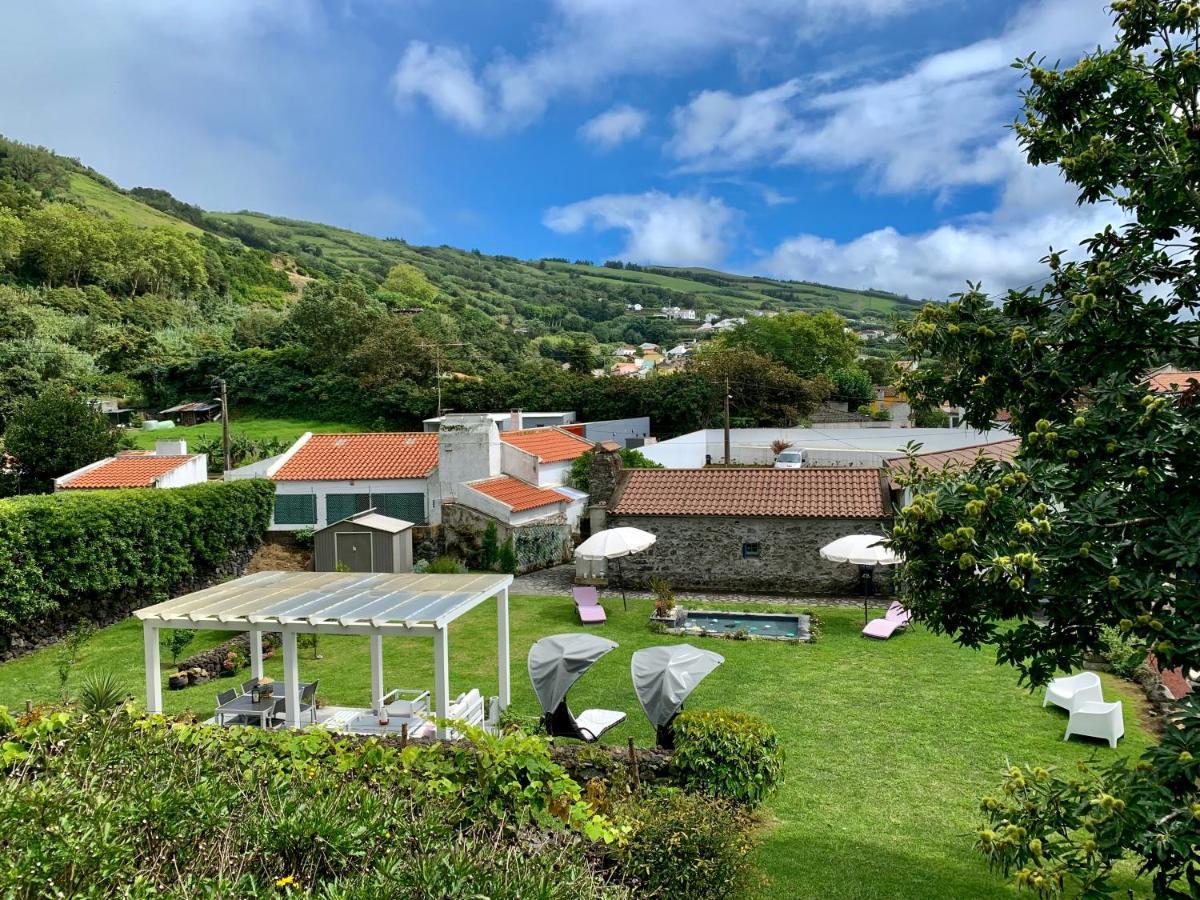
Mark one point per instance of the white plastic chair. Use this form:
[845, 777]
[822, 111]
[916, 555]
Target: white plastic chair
[1066, 691]
[1095, 718]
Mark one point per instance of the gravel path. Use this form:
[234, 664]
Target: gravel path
[559, 580]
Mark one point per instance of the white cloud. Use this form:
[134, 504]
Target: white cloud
[617, 125]
[442, 75]
[588, 43]
[938, 126]
[661, 228]
[1001, 254]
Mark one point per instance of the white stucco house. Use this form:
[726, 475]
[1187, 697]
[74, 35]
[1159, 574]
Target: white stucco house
[168, 465]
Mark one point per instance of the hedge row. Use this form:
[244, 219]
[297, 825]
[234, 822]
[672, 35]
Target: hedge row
[57, 547]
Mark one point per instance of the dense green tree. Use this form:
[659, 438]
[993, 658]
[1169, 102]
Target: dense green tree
[68, 245]
[807, 343]
[1096, 522]
[880, 370]
[580, 357]
[331, 319]
[763, 392]
[853, 384]
[57, 432]
[406, 285]
[12, 238]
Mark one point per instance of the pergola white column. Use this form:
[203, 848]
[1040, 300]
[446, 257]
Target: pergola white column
[441, 680]
[153, 668]
[291, 679]
[256, 660]
[502, 648]
[377, 688]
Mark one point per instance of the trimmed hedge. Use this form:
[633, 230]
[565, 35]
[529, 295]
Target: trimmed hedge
[728, 754]
[59, 547]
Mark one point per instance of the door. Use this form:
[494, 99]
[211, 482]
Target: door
[353, 551]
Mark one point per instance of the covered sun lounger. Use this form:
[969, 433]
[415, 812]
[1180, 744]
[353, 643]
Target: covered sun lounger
[587, 604]
[895, 619]
[664, 677]
[555, 663]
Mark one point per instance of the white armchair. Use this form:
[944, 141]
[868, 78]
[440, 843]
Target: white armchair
[1095, 718]
[1069, 690]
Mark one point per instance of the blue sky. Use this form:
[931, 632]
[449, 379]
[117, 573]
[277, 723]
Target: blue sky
[857, 142]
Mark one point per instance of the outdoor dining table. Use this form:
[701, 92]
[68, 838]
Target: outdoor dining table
[244, 705]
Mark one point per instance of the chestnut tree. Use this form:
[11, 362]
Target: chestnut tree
[1097, 520]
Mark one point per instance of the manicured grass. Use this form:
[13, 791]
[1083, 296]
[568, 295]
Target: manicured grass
[890, 745]
[252, 426]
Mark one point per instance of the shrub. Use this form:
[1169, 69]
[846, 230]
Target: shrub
[80, 545]
[664, 597]
[1125, 653]
[304, 537]
[67, 653]
[446, 565]
[489, 551]
[101, 692]
[729, 754]
[177, 640]
[508, 558]
[685, 845]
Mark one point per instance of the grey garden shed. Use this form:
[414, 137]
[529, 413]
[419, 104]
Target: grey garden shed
[364, 542]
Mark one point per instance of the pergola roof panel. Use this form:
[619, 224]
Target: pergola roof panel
[344, 599]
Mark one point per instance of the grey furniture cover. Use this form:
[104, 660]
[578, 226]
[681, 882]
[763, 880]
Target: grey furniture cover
[663, 677]
[557, 662]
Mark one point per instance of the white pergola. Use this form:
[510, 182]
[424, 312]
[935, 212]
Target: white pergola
[374, 605]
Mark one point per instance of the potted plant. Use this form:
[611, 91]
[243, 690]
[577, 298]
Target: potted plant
[664, 600]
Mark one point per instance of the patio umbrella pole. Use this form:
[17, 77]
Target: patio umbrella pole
[621, 578]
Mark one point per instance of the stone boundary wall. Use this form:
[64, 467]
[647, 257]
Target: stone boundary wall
[463, 529]
[109, 609]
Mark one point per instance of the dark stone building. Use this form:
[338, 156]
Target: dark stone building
[749, 529]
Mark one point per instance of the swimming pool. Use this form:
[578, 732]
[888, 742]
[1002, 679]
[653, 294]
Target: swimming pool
[765, 625]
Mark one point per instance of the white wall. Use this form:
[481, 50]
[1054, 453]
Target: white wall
[469, 449]
[551, 474]
[433, 510]
[518, 463]
[194, 471]
[823, 446]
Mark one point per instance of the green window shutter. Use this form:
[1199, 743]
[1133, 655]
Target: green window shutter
[342, 506]
[295, 509]
[409, 507]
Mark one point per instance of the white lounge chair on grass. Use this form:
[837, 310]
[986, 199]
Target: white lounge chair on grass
[1063, 692]
[1095, 718]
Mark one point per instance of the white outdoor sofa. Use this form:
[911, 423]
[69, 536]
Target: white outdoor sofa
[1089, 715]
[1064, 692]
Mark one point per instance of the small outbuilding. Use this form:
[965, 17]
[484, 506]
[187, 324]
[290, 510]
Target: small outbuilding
[364, 542]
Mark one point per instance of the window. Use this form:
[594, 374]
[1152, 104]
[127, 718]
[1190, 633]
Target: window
[752, 551]
[295, 509]
[409, 507]
[342, 506]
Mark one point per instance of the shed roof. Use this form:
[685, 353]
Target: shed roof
[372, 519]
[518, 495]
[547, 444]
[839, 493]
[126, 472]
[352, 601]
[350, 457]
[194, 406]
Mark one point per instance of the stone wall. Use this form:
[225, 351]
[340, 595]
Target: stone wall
[538, 544]
[109, 609]
[706, 553]
[428, 542]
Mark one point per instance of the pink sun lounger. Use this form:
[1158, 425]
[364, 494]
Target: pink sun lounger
[895, 619]
[587, 604]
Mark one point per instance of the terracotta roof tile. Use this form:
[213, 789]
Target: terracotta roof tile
[547, 444]
[802, 493]
[352, 457]
[518, 495]
[1171, 382]
[963, 456]
[126, 472]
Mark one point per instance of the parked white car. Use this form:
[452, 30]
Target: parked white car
[790, 459]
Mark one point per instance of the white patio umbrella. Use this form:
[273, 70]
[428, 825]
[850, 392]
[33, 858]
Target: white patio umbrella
[615, 543]
[861, 550]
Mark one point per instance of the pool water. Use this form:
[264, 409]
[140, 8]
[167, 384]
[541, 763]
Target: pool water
[767, 625]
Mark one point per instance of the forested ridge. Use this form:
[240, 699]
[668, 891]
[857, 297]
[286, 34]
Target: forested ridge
[138, 295]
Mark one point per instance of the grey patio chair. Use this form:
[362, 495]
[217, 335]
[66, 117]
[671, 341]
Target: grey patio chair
[308, 700]
[248, 685]
[225, 697]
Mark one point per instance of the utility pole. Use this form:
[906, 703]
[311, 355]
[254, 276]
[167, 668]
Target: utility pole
[225, 424]
[437, 359]
[726, 421]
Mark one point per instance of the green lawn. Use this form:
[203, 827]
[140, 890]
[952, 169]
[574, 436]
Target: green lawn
[250, 425]
[121, 206]
[890, 745]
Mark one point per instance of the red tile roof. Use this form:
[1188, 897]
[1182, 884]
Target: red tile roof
[353, 457]
[126, 472]
[963, 457]
[518, 495]
[840, 493]
[1171, 382]
[547, 444]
